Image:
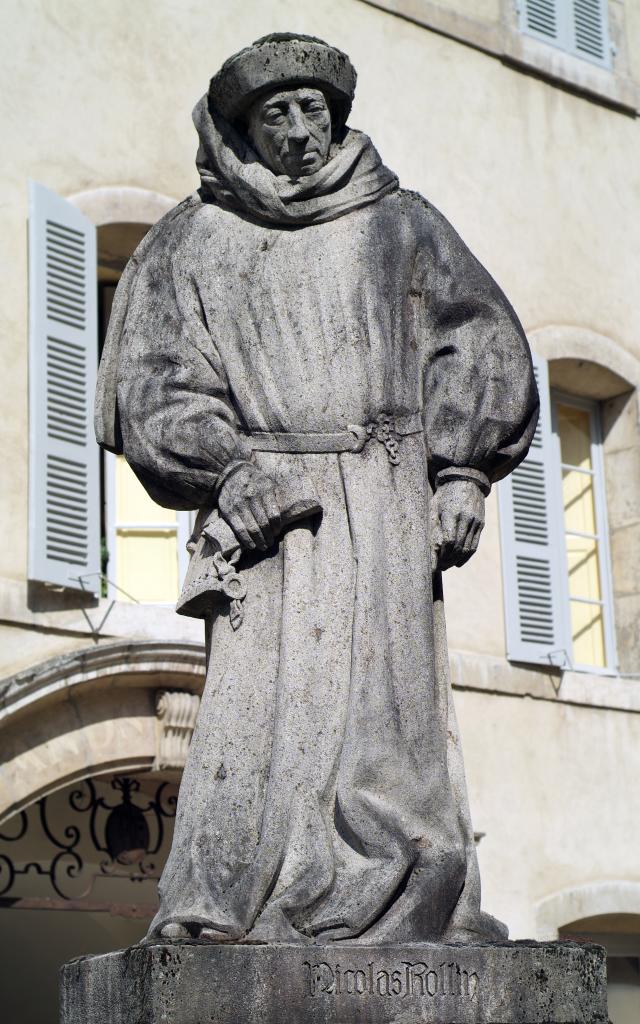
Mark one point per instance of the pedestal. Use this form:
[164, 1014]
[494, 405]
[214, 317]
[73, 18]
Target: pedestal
[202, 983]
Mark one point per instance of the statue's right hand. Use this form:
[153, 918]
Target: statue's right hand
[248, 502]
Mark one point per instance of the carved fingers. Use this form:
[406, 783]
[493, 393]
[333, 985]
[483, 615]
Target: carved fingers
[457, 522]
[249, 504]
[471, 540]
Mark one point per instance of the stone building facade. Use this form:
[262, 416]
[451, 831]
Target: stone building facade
[521, 126]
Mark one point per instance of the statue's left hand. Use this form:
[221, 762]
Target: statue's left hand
[457, 520]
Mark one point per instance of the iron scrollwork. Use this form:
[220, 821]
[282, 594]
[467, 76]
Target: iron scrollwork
[128, 833]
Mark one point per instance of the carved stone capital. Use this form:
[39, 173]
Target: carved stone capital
[176, 713]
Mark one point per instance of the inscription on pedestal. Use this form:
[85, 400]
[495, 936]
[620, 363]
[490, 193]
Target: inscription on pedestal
[408, 978]
[181, 983]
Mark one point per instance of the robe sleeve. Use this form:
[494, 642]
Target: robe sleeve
[180, 432]
[480, 397]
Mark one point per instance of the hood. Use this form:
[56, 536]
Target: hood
[232, 174]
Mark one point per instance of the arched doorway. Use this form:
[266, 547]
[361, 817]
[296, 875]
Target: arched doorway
[119, 713]
[620, 935]
[608, 913]
[78, 874]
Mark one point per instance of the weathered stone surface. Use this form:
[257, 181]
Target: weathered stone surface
[303, 334]
[303, 331]
[267, 64]
[203, 983]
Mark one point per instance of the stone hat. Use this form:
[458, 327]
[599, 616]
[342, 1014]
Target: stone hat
[283, 59]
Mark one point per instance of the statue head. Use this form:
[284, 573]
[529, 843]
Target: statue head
[291, 94]
[290, 130]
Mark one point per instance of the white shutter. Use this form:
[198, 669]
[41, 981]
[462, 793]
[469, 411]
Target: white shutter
[543, 19]
[533, 571]
[64, 467]
[589, 30]
[578, 27]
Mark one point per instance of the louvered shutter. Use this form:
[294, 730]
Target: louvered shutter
[543, 19]
[577, 26]
[589, 30]
[64, 468]
[534, 576]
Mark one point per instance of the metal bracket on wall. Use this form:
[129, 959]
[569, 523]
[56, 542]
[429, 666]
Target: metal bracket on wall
[95, 630]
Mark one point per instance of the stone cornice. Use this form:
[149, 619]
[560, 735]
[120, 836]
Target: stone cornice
[502, 40]
[104, 660]
[183, 666]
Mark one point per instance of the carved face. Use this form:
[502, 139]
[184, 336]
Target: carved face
[290, 130]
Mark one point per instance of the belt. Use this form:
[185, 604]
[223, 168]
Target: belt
[388, 430]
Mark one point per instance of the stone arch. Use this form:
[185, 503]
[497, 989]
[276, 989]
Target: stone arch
[571, 342]
[596, 899]
[87, 713]
[122, 204]
[122, 215]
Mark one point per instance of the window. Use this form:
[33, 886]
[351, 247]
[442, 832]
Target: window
[577, 432]
[144, 545]
[72, 513]
[578, 27]
[555, 556]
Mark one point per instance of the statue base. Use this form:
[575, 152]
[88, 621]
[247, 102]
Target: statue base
[202, 983]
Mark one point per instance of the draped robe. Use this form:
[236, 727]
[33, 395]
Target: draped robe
[324, 796]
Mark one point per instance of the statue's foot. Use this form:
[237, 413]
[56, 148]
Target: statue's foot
[175, 930]
[213, 935]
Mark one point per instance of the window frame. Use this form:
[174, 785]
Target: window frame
[592, 406]
[183, 526]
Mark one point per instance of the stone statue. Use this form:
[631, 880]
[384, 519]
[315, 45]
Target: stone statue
[311, 357]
